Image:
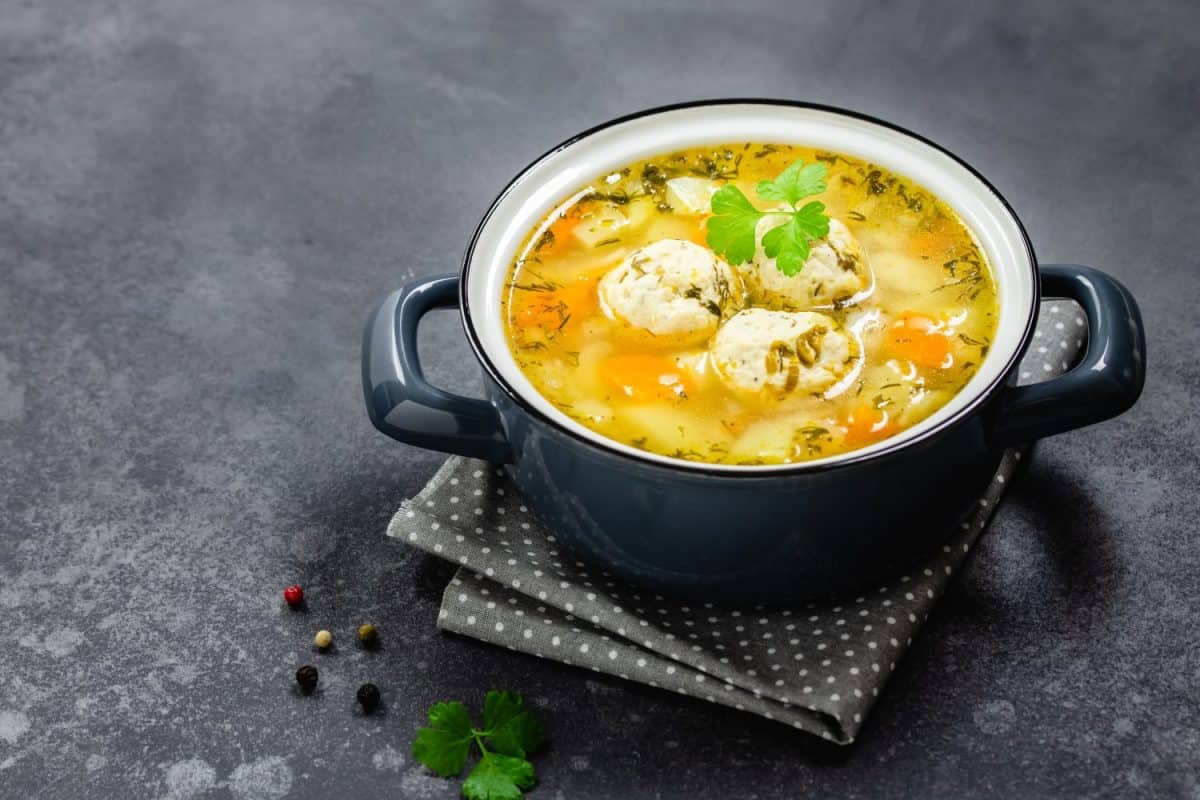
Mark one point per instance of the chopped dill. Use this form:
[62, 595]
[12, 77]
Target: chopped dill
[545, 240]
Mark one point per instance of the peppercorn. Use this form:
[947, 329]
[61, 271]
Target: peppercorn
[368, 635]
[323, 639]
[307, 676]
[368, 697]
[293, 595]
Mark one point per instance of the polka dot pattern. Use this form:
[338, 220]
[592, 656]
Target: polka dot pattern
[818, 668]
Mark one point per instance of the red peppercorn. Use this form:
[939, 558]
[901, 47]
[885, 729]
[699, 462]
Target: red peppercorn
[294, 595]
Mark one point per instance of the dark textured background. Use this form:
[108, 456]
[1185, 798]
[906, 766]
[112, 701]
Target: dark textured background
[199, 202]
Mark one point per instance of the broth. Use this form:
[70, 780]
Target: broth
[621, 315]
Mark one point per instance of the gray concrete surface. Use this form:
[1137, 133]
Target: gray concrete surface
[200, 201]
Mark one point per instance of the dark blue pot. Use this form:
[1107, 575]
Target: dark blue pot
[739, 536]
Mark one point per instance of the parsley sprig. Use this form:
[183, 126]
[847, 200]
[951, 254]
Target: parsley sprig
[510, 732]
[732, 230]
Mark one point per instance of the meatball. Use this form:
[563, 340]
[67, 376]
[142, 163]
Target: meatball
[781, 351]
[835, 271]
[673, 288]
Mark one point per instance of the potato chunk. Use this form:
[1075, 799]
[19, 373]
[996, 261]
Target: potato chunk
[691, 195]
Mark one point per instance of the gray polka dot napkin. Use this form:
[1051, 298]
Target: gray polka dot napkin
[817, 668]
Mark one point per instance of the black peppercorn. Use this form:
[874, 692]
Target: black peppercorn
[368, 697]
[307, 676]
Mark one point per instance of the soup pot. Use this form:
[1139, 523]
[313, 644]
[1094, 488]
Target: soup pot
[734, 533]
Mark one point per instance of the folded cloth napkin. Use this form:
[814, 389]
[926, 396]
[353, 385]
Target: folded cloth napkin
[818, 668]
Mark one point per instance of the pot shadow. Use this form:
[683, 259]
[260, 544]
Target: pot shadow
[1048, 563]
[431, 575]
[1077, 540]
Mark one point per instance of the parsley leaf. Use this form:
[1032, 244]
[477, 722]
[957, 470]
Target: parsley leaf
[794, 183]
[445, 744]
[510, 732]
[788, 243]
[733, 228]
[498, 777]
[515, 731]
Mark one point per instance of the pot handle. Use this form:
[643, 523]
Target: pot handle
[400, 402]
[1105, 383]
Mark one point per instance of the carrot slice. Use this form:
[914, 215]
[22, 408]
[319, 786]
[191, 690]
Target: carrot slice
[563, 308]
[699, 234]
[932, 242]
[641, 376]
[917, 339]
[867, 425]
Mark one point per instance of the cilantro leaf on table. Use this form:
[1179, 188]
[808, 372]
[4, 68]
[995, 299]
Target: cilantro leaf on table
[509, 733]
[515, 731]
[446, 743]
[498, 777]
[732, 231]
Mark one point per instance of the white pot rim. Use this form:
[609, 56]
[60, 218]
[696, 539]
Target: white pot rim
[554, 175]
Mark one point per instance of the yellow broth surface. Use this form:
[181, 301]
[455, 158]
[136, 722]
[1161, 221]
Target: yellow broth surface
[919, 328]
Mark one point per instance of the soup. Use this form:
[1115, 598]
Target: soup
[750, 304]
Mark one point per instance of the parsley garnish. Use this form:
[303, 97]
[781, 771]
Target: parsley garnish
[733, 226]
[509, 733]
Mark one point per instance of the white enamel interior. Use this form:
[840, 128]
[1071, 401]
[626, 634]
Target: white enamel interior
[551, 180]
